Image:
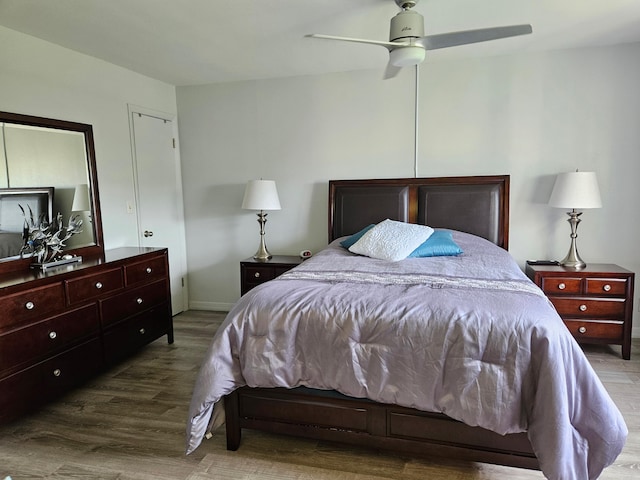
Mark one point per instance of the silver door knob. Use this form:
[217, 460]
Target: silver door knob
[148, 233]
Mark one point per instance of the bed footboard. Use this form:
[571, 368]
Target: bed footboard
[369, 424]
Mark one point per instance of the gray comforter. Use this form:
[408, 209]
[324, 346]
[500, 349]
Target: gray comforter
[469, 336]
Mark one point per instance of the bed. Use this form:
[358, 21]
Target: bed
[448, 356]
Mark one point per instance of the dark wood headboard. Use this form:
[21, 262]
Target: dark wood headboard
[477, 204]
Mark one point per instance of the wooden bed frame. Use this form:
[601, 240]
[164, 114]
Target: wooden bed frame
[478, 205]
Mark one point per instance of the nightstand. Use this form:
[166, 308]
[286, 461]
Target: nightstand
[253, 272]
[595, 303]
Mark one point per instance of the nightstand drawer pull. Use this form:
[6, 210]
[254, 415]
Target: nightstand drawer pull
[98, 285]
[562, 286]
[582, 329]
[53, 335]
[583, 308]
[257, 274]
[29, 305]
[57, 372]
[142, 331]
[607, 288]
[139, 301]
[148, 270]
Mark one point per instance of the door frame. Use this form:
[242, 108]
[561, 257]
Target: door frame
[136, 109]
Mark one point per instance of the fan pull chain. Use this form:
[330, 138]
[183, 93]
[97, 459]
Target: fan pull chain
[415, 133]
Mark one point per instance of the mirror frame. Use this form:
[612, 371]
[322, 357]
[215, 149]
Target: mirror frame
[97, 250]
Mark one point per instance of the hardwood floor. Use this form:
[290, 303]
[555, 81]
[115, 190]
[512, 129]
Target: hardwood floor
[130, 422]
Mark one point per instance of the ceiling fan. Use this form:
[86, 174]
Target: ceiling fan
[408, 45]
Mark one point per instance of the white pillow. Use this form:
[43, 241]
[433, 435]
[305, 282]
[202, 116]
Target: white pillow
[391, 240]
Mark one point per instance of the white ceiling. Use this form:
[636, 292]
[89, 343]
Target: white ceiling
[191, 42]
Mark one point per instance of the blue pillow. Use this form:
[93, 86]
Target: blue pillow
[347, 242]
[439, 244]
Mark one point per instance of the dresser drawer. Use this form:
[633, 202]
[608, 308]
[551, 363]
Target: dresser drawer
[589, 307]
[47, 380]
[90, 287]
[21, 308]
[41, 339]
[132, 302]
[561, 285]
[585, 330]
[606, 286]
[147, 271]
[137, 331]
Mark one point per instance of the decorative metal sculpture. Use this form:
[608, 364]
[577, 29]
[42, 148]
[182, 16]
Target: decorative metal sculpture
[44, 241]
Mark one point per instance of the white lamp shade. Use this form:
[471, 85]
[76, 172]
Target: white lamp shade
[261, 195]
[81, 199]
[406, 56]
[576, 190]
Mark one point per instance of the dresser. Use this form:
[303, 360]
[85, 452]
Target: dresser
[595, 303]
[60, 327]
[254, 272]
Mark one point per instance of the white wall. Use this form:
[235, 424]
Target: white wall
[530, 116]
[43, 79]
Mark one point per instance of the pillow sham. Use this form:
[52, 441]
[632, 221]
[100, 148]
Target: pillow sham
[347, 242]
[439, 244]
[391, 240]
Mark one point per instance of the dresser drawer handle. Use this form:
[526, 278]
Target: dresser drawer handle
[57, 372]
[582, 329]
[98, 285]
[257, 274]
[29, 305]
[142, 331]
[53, 335]
[607, 288]
[583, 308]
[561, 286]
[139, 301]
[148, 270]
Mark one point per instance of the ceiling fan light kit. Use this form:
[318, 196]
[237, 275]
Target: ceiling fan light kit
[407, 56]
[408, 45]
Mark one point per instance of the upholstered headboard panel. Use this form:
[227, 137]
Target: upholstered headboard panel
[477, 205]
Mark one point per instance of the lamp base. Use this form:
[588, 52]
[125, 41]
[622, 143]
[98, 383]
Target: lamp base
[262, 255]
[573, 260]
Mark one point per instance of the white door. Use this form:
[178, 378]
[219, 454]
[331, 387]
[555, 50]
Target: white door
[159, 196]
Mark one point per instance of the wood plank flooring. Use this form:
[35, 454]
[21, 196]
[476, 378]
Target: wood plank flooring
[130, 423]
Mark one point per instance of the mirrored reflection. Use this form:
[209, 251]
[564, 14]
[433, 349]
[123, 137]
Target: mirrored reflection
[45, 158]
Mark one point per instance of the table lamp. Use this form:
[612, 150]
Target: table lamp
[261, 195]
[575, 190]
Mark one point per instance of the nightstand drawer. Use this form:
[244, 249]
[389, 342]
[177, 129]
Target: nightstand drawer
[561, 285]
[592, 330]
[257, 275]
[606, 286]
[589, 307]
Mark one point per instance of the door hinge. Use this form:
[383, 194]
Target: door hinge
[174, 142]
[182, 280]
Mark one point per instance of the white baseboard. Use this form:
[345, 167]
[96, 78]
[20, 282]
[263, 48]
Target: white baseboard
[210, 306]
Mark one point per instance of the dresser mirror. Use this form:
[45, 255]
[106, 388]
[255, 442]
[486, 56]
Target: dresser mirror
[42, 154]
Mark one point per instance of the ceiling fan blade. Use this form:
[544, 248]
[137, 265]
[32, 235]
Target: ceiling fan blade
[357, 40]
[453, 39]
[391, 71]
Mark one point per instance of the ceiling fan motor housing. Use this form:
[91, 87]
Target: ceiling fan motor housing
[406, 24]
